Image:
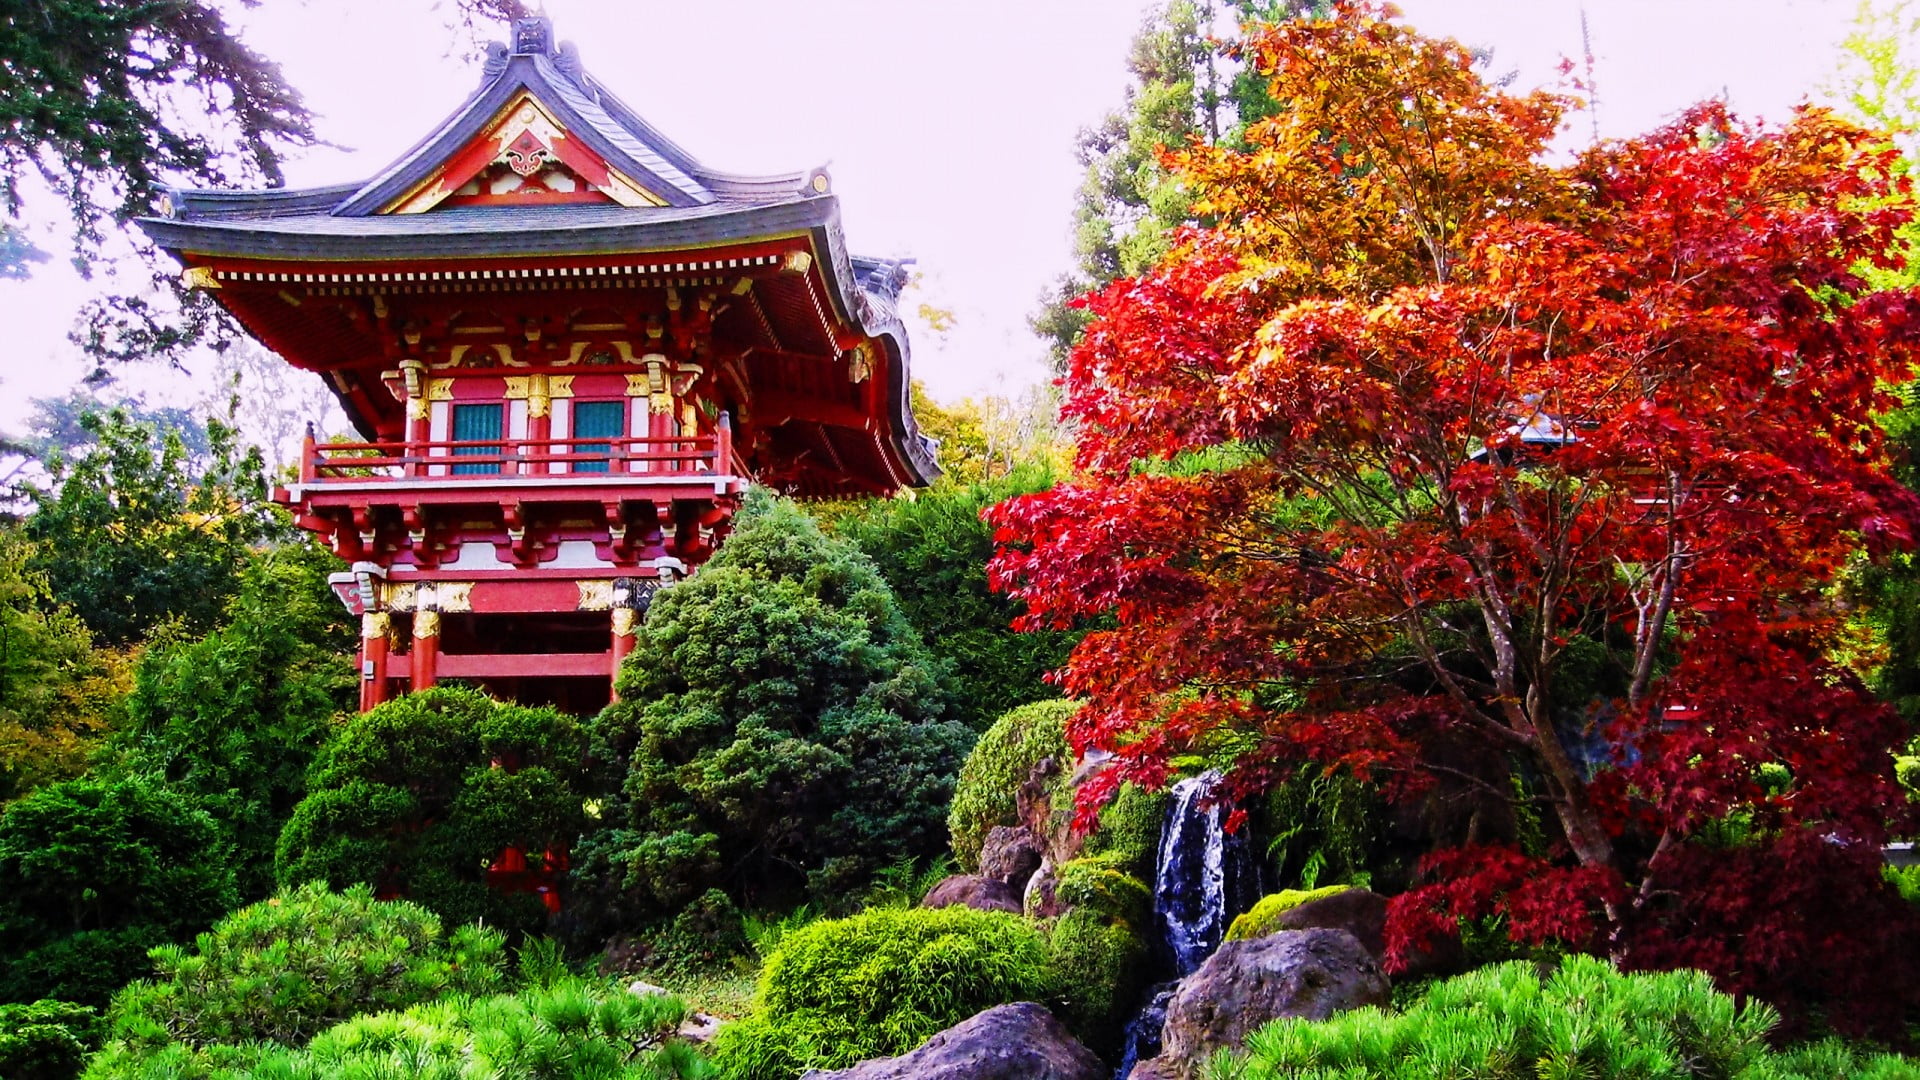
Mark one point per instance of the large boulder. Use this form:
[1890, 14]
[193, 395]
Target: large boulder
[974, 891]
[1012, 1042]
[1010, 853]
[1360, 912]
[1303, 973]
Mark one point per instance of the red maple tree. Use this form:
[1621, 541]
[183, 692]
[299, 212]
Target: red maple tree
[1426, 450]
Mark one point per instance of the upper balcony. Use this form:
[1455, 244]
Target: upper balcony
[530, 469]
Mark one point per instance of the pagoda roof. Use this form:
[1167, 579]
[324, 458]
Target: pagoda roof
[630, 195]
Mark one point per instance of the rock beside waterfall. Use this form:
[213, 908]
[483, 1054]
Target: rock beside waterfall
[1360, 912]
[1012, 1042]
[1012, 854]
[1311, 974]
[974, 891]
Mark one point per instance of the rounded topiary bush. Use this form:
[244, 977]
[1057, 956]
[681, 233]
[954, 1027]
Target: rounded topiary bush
[878, 984]
[1000, 762]
[286, 968]
[420, 795]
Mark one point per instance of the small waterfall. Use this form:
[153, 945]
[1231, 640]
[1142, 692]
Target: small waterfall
[1142, 1038]
[1204, 877]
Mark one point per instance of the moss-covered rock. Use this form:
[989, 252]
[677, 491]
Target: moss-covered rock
[1265, 916]
[1000, 762]
[1101, 967]
[1099, 883]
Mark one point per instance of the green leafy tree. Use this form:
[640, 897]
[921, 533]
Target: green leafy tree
[780, 724]
[420, 796]
[46, 1040]
[129, 534]
[93, 873]
[58, 695]
[236, 717]
[933, 551]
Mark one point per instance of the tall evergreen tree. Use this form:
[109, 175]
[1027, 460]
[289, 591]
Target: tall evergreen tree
[1187, 85]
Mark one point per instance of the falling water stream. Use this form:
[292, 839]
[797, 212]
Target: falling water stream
[1202, 879]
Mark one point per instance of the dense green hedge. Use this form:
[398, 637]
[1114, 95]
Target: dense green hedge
[287, 968]
[1585, 1019]
[1101, 966]
[879, 984]
[933, 550]
[97, 872]
[45, 1040]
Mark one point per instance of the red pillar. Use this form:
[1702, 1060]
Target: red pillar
[624, 620]
[426, 648]
[373, 659]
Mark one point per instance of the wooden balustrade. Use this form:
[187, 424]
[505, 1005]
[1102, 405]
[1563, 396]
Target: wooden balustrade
[508, 459]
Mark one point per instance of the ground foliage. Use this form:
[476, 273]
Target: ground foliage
[1508, 1022]
[1431, 412]
[287, 968]
[98, 872]
[419, 796]
[780, 728]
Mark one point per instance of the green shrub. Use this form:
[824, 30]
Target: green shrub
[1262, 919]
[571, 1030]
[235, 718]
[1906, 879]
[1101, 966]
[933, 550]
[286, 968]
[1098, 884]
[707, 933]
[1507, 1022]
[97, 872]
[1000, 762]
[781, 729]
[418, 796]
[878, 984]
[46, 1040]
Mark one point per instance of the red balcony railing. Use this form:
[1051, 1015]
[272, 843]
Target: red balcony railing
[493, 460]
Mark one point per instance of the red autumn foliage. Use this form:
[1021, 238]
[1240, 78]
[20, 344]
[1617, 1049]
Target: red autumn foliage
[1420, 419]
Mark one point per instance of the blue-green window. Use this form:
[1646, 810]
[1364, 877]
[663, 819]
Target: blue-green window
[596, 420]
[481, 424]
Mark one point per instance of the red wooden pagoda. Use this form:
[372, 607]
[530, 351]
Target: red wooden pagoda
[569, 347]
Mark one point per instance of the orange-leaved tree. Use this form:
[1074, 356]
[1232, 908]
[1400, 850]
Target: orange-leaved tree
[1426, 453]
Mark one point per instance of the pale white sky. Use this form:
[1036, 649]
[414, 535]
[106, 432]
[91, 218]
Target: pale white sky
[949, 126]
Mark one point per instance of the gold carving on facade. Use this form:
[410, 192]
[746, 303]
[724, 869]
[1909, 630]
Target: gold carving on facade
[637, 386]
[595, 595]
[454, 595]
[401, 597]
[200, 277]
[624, 621]
[374, 624]
[426, 624]
[439, 389]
